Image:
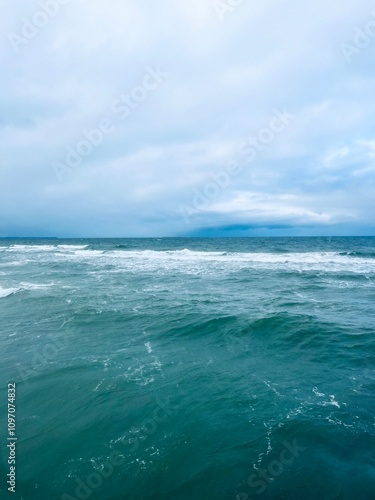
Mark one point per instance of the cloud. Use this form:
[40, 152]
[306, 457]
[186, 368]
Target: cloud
[225, 78]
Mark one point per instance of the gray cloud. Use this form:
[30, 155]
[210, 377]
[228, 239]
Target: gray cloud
[225, 78]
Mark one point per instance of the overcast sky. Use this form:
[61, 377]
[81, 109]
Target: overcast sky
[217, 117]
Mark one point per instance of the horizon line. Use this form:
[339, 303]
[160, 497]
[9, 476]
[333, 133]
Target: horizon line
[170, 237]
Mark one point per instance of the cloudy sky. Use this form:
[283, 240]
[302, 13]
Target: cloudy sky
[187, 117]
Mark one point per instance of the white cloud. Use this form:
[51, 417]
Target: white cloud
[333, 158]
[225, 79]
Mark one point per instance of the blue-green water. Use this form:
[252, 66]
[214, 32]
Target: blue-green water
[190, 368]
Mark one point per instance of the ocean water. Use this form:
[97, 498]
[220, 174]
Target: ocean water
[189, 368]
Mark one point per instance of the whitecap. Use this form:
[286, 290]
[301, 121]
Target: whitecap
[5, 292]
[72, 247]
[35, 286]
[31, 248]
[320, 394]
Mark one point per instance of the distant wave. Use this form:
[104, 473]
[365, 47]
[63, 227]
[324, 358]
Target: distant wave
[72, 247]
[366, 255]
[43, 248]
[197, 261]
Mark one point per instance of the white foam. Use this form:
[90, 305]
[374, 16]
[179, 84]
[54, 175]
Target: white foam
[320, 394]
[71, 247]
[88, 253]
[194, 261]
[332, 402]
[198, 262]
[5, 292]
[31, 248]
[35, 286]
[15, 263]
[79, 254]
[44, 248]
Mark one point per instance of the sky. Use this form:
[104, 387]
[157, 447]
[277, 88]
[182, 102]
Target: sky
[132, 118]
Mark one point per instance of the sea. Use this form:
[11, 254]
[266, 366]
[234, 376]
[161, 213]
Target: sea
[187, 368]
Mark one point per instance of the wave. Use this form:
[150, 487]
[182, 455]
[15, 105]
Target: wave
[5, 292]
[72, 247]
[31, 248]
[304, 261]
[198, 327]
[35, 286]
[43, 248]
[366, 255]
[193, 261]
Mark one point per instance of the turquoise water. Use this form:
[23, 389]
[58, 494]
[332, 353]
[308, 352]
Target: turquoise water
[190, 368]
